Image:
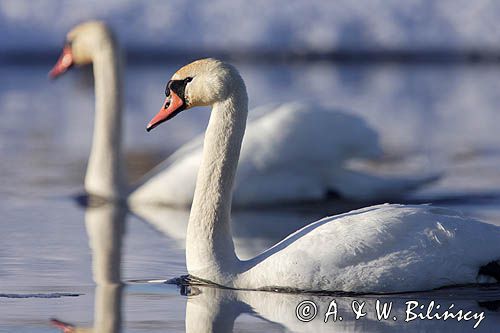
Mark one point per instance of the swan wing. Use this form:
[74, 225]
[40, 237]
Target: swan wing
[290, 153]
[385, 248]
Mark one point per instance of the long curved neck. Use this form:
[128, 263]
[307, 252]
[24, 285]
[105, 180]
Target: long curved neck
[104, 174]
[210, 251]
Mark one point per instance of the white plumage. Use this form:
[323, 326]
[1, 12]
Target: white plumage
[385, 248]
[292, 152]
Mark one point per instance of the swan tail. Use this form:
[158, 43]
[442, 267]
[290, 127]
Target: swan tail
[490, 270]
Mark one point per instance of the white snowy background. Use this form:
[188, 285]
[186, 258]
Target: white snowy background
[296, 25]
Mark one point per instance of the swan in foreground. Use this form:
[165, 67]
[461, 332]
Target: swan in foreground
[277, 163]
[385, 248]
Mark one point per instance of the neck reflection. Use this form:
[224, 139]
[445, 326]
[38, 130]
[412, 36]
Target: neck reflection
[105, 226]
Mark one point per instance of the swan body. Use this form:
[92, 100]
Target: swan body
[277, 164]
[387, 248]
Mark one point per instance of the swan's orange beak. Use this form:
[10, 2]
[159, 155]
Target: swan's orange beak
[64, 62]
[172, 106]
[65, 327]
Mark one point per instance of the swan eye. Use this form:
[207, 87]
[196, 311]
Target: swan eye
[167, 88]
[177, 86]
[68, 44]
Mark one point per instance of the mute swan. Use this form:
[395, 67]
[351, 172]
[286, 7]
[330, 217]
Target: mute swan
[385, 248]
[92, 42]
[274, 144]
[278, 165]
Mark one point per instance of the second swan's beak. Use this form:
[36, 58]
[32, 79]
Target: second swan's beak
[64, 327]
[64, 62]
[172, 106]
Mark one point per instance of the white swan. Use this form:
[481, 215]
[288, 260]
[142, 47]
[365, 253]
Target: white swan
[386, 248]
[92, 42]
[277, 163]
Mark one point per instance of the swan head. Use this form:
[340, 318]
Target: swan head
[203, 82]
[81, 45]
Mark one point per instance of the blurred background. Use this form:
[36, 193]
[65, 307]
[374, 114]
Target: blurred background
[425, 74]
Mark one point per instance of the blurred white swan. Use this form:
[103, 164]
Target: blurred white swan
[386, 248]
[293, 152]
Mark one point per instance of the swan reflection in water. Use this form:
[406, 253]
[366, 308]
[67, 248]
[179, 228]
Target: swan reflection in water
[212, 309]
[105, 225]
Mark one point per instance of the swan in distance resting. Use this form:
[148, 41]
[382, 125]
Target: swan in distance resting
[385, 248]
[277, 163]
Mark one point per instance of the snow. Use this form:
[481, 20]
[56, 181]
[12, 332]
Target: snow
[287, 25]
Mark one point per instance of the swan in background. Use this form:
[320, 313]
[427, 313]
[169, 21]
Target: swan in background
[385, 248]
[92, 42]
[106, 228]
[294, 152]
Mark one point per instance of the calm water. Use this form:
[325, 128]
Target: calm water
[52, 250]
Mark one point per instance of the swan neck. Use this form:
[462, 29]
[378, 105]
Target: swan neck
[209, 244]
[104, 172]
